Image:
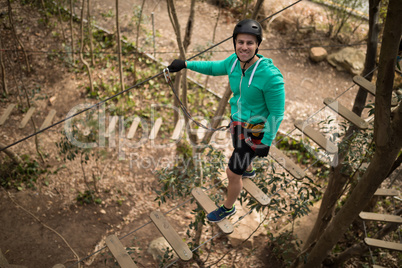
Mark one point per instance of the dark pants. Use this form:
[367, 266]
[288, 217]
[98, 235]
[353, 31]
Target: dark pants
[243, 154]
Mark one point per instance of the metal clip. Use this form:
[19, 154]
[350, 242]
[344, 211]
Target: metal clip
[166, 73]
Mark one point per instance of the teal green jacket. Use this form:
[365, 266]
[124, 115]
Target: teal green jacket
[258, 96]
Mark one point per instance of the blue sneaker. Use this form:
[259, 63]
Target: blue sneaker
[220, 214]
[249, 174]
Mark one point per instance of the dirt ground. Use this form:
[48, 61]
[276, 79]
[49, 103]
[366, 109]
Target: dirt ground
[34, 222]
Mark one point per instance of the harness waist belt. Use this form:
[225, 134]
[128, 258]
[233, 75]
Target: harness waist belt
[253, 127]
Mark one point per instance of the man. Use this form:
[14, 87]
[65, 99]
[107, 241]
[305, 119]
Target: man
[257, 105]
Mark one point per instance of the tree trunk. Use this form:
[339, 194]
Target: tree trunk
[119, 46]
[3, 69]
[82, 48]
[218, 115]
[189, 27]
[213, 41]
[10, 17]
[176, 26]
[337, 180]
[387, 133]
[245, 8]
[59, 4]
[90, 34]
[72, 32]
[137, 38]
[257, 9]
[371, 54]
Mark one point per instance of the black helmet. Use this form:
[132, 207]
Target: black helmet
[248, 26]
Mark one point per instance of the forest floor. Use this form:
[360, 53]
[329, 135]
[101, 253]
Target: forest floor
[33, 220]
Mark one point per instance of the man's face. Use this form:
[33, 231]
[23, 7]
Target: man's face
[246, 44]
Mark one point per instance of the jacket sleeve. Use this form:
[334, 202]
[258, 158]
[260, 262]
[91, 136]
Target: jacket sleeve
[213, 68]
[274, 94]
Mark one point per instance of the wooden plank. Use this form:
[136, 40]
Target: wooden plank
[155, 129]
[177, 130]
[378, 266]
[255, 192]
[364, 83]
[27, 116]
[133, 128]
[380, 217]
[6, 114]
[118, 251]
[383, 244]
[317, 137]
[386, 192]
[371, 88]
[171, 236]
[346, 113]
[112, 125]
[48, 119]
[286, 163]
[208, 205]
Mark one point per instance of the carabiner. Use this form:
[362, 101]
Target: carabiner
[166, 73]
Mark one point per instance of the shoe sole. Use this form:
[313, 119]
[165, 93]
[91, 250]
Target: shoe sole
[249, 177]
[234, 212]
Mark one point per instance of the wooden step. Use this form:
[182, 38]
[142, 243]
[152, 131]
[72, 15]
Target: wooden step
[386, 192]
[6, 114]
[370, 87]
[48, 119]
[317, 137]
[133, 128]
[178, 129]
[383, 244]
[26, 118]
[112, 126]
[120, 254]
[380, 217]
[256, 192]
[346, 113]
[286, 163]
[155, 129]
[253, 190]
[364, 83]
[171, 236]
[208, 205]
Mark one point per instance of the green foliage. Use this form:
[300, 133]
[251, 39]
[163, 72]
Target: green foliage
[108, 14]
[179, 179]
[21, 176]
[166, 258]
[284, 247]
[88, 197]
[340, 15]
[85, 134]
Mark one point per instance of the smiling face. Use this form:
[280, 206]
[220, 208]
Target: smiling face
[246, 45]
